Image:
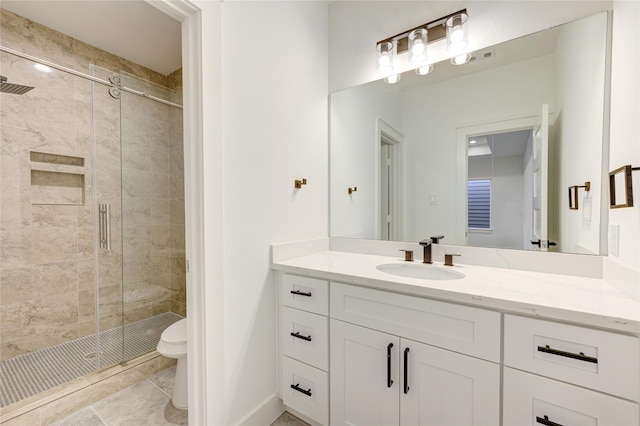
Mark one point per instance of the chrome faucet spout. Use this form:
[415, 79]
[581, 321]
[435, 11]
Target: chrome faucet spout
[426, 246]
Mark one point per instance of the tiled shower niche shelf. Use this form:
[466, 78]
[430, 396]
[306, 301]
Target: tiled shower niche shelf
[57, 179]
[65, 160]
[57, 188]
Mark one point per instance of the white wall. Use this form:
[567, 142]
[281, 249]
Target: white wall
[578, 153]
[507, 202]
[353, 155]
[264, 67]
[431, 155]
[275, 130]
[625, 130]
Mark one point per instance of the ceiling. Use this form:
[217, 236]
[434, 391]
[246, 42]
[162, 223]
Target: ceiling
[131, 29]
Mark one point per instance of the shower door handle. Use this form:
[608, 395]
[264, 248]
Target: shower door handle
[104, 216]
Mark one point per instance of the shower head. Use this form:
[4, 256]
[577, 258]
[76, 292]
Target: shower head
[15, 89]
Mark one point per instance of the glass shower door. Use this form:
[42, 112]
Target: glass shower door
[107, 217]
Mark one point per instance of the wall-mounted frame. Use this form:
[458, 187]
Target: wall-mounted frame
[573, 194]
[621, 187]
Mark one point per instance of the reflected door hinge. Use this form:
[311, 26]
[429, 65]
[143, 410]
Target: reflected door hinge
[187, 265]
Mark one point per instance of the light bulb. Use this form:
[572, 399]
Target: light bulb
[424, 70]
[384, 55]
[417, 49]
[460, 59]
[457, 33]
[392, 79]
[418, 46]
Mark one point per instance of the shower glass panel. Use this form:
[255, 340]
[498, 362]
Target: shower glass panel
[107, 217]
[152, 212]
[47, 266]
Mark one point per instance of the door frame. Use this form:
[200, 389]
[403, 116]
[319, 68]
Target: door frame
[463, 133]
[397, 199]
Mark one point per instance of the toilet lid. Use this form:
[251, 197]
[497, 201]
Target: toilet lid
[176, 332]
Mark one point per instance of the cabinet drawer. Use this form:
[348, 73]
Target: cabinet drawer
[459, 328]
[529, 398]
[596, 359]
[308, 294]
[305, 337]
[305, 389]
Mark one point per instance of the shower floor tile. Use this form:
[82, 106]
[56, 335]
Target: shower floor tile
[27, 375]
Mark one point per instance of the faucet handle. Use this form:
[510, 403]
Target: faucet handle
[436, 239]
[448, 259]
[408, 255]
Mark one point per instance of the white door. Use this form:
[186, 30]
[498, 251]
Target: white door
[447, 388]
[540, 212]
[386, 184]
[364, 378]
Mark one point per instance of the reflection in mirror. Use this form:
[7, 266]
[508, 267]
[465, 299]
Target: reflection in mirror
[407, 146]
[621, 187]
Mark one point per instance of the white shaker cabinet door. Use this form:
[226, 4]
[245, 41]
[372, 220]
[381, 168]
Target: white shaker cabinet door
[364, 376]
[446, 388]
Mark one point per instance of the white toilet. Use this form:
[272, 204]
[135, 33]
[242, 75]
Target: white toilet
[173, 344]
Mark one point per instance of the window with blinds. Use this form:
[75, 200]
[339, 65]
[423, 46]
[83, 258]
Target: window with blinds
[479, 203]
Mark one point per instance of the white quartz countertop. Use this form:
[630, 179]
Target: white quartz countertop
[589, 301]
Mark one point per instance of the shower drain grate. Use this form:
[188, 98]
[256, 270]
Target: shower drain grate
[27, 375]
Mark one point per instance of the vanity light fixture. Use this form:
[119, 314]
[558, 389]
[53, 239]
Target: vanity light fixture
[415, 41]
[457, 35]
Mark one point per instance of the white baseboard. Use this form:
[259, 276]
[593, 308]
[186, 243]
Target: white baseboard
[266, 413]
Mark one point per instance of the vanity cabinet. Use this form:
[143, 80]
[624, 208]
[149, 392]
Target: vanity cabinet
[559, 374]
[381, 375]
[355, 355]
[304, 337]
[382, 379]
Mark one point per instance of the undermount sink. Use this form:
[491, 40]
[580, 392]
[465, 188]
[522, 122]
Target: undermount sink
[421, 271]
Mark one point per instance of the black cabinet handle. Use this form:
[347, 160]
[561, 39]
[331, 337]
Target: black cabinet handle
[581, 356]
[299, 389]
[297, 334]
[301, 293]
[545, 421]
[389, 381]
[406, 371]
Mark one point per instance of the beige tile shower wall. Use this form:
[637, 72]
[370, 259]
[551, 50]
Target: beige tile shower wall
[47, 291]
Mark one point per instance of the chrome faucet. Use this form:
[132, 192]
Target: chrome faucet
[426, 247]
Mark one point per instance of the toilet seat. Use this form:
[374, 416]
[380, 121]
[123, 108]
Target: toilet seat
[176, 332]
[173, 341]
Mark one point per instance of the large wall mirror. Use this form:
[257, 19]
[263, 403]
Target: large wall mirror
[482, 153]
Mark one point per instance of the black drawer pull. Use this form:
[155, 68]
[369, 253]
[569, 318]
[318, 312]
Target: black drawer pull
[581, 356]
[406, 371]
[297, 334]
[389, 381]
[299, 389]
[301, 293]
[545, 421]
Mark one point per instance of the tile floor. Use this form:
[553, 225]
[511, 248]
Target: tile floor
[146, 403]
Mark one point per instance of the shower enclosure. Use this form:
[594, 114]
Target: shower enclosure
[91, 220]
